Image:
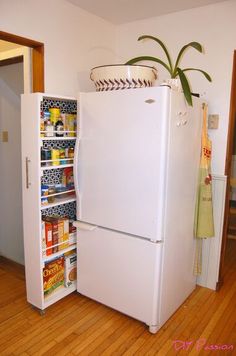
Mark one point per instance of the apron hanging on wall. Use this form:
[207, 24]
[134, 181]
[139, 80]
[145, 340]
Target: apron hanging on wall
[204, 221]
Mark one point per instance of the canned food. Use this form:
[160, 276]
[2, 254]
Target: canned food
[55, 157]
[44, 190]
[55, 113]
[70, 121]
[62, 156]
[51, 190]
[71, 152]
[45, 154]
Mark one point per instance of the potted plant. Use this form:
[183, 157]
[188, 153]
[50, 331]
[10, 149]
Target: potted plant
[174, 70]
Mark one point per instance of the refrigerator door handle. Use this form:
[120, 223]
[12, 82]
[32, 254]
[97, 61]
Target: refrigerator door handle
[27, 162]
[76, 173]
[84, 226]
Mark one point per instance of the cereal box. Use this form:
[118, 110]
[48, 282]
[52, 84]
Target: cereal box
[48, 237]
[63, 232]
[43, 237]
[53, 275]
[54, 224]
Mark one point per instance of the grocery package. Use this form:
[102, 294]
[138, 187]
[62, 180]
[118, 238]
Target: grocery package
[68, 178]
[55, 114]
[71, 124]
[54, 226]
[63, 233]
[55, 155]
[72, 233]
[53, 275]
[48, 237]
[43, 236]
[70, 269]
[56, 233]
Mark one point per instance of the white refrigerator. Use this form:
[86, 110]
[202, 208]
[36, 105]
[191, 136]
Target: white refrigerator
[136, 168]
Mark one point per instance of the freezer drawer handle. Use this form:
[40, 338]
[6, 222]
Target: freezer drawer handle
[27, 161]
[84, 226]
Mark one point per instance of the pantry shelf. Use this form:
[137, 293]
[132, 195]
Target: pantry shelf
[58, 202]
[57, 137]
[53, 138]
[60, 193]
[59, 253]
[59, 294]
[44, 168]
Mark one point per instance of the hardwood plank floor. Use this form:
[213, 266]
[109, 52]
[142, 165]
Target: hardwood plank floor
[79, 326]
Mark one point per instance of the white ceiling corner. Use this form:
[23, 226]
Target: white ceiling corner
[124, 11]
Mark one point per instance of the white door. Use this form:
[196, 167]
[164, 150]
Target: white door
[121, 162]
[120, 271]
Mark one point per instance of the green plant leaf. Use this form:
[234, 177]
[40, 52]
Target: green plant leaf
[185, 86]
[207, 76]
[195, 45]
[162, 45]
[148, 58]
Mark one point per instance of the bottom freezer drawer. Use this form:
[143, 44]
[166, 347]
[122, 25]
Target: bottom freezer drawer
[120, 271]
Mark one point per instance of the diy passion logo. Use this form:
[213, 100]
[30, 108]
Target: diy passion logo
[200, 345]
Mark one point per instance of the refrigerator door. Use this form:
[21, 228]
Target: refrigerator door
[120, 271]
[120, 164]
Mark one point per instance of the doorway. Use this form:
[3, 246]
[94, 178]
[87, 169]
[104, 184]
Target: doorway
[37, 58]
[13, 82]
[229, 216]
[11, 229]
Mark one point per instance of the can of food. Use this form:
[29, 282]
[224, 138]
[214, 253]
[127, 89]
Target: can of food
[55, 156]
[71, 152]
[66, 152]
[44, 190]
[62, 155]
[70, 121]
[55, 114]
[45, 154]
[51, 190]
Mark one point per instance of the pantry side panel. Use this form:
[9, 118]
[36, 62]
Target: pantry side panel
[30, 137]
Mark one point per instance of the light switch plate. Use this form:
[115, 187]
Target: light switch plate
[5, 136]
[213, 121]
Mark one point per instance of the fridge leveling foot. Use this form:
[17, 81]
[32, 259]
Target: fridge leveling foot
[153, 329]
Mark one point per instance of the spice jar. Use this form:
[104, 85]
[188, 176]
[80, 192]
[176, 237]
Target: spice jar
[51, 190]
[71, 152]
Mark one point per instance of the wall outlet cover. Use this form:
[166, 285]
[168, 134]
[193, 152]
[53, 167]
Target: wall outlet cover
[213, 121]
[5, 136]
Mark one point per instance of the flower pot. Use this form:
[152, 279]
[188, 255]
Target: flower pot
[122, 76]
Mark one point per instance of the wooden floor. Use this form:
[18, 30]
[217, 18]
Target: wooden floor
[79, 326]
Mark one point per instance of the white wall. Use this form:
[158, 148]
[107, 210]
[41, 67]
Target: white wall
[75, 41]
[214, 26]
[11, 229]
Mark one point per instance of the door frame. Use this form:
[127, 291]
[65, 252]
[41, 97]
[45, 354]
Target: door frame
[37, 58]
[228, 162]
[19, 55]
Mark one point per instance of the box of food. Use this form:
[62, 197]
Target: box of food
[72, 233]
[43, 238]
[70, 269]
[54, 223]
[48, 237]
[63, 232]
[53, 275]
